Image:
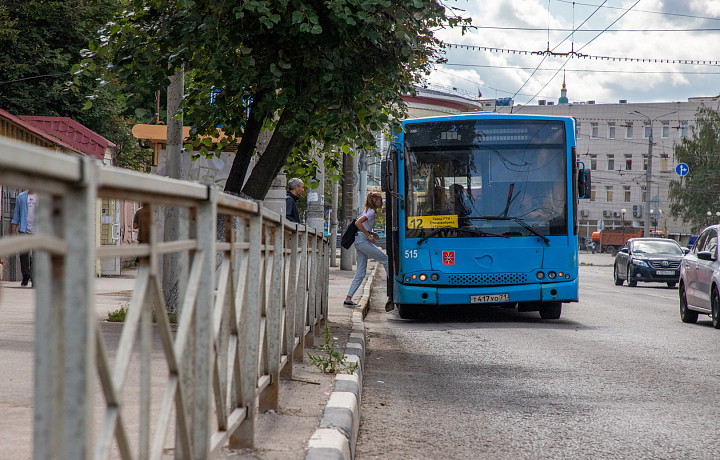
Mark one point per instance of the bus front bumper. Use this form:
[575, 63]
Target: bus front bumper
[561, 291]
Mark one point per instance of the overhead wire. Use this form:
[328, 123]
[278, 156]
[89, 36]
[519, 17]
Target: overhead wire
[561, 42]
[581, 48]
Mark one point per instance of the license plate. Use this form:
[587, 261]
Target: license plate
[490, 298]
[665, 272]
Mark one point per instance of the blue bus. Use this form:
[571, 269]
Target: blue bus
[482, 210]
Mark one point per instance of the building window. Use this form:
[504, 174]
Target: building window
[611, 130]
[593, 162]
[592, 193]
[629, 131]
[609, 193]
[683, 129]
[644, 194]
[645, 162]
[664, 164]
[594, 130]
[628, 161]
[647, 130]
[611, 162]
[627, 193]
[665, 129]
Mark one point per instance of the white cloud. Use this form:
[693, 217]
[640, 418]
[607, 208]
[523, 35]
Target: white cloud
[602, 80]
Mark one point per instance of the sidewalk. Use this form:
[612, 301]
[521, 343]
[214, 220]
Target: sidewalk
[597, 259]
[312, 404]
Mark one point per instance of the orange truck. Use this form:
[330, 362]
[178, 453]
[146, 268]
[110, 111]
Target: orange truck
[611, 240]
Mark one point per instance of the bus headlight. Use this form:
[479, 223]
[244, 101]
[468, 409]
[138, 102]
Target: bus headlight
[551, 275]
[434, 277]
[423, 277]
[540, 275]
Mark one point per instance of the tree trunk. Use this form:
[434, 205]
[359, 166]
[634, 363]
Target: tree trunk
[246, 148]
[271, 161]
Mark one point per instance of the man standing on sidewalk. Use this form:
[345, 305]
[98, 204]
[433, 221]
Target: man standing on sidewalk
[296, 187]
[23, 222]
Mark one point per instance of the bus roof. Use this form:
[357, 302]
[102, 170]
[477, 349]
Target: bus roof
[486, 115]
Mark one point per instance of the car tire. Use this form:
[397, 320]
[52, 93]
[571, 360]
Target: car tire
[616, 276]
[408, 311]
[715, 308]
[631, 282]
[671, 284]
[686, 315]
[551, 310]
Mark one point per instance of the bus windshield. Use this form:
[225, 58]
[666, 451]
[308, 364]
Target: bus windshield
[499, 177]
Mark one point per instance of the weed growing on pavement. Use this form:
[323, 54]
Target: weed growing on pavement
[333, 362]
[119, 315]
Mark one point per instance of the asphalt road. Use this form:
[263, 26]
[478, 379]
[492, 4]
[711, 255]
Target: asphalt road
[618, 376]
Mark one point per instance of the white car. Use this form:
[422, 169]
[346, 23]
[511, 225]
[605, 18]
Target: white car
[700, 279]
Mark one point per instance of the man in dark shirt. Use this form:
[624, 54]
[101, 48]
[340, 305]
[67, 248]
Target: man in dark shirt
[296, 187]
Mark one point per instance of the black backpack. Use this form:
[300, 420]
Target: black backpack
[348, 236]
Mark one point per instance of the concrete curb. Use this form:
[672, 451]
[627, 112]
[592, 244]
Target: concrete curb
[338, 431]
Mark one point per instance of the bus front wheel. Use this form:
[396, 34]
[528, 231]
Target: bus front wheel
[408, 311]
[551, 310]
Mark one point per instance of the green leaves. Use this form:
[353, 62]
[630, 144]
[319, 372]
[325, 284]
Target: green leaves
[693, 195]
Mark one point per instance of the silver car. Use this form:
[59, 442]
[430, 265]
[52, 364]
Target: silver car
[700, 279]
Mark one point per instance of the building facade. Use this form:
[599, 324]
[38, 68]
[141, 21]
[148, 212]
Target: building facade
[613, 141]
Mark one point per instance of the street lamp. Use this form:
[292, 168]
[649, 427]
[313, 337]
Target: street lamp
[648, 173]
[622, 213]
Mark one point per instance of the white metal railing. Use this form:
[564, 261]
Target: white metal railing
[252, 300]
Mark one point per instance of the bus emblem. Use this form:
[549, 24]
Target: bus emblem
[448, 257]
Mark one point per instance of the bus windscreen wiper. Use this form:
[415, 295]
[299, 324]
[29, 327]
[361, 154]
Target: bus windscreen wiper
[471, 231]
[517, 220]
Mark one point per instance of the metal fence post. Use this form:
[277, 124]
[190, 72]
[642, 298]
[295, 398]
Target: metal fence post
[274, 306]
[205, 233]
[76, 322]
[249, 330]
[48, 274]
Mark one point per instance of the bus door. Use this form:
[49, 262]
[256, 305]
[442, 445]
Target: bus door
[389, 184]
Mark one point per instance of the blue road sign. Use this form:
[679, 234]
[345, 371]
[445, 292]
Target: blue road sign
[682, 169]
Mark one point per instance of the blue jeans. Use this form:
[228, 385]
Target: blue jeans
[365, 250]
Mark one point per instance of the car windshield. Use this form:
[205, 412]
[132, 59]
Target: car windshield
[657, 247]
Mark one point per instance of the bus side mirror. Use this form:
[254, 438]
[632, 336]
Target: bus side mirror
[387, 169]
[386, 174]
[583, 185]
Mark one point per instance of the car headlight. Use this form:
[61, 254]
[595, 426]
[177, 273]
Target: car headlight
[639, 263]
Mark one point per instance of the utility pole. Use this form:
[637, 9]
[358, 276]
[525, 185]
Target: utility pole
[349, 207]
[174, 228]
[316, 198]
[334, 225]
[649, 171]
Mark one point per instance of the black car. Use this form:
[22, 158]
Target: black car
[655, 260]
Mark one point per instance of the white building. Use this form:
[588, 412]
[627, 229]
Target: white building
[613, 142]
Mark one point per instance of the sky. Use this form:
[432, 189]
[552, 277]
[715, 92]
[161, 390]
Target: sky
[657, 30]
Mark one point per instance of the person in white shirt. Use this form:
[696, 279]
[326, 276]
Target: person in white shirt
[365, 244]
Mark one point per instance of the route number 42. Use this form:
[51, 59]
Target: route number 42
[411, 253]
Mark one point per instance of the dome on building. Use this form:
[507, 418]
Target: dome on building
[563, 93]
